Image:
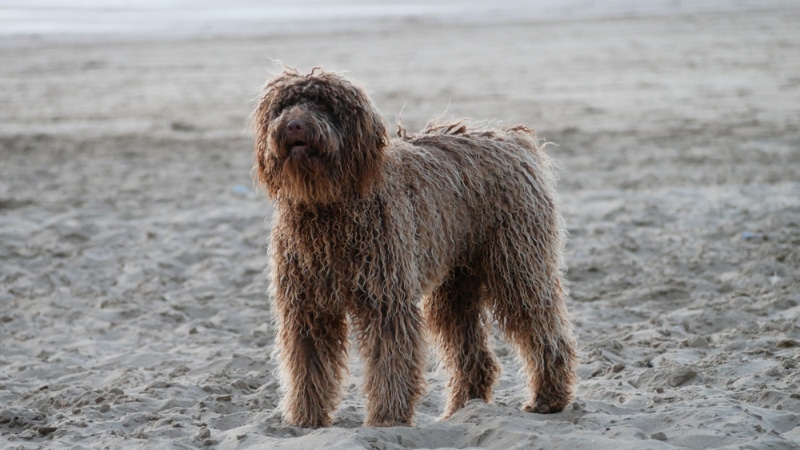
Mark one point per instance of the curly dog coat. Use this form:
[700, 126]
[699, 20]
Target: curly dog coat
[462, 218]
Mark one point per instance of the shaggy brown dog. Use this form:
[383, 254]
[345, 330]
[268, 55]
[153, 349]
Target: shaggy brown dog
[464, 219]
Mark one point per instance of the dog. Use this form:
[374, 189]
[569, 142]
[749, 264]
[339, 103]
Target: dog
[447, 229]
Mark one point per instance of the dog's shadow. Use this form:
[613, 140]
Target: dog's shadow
[349, 417]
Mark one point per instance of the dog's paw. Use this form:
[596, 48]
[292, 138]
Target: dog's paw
[545, 406]
[388, 423]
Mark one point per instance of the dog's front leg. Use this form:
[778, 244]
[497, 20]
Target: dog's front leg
[312, 345]
[389, 333]
[313, 348]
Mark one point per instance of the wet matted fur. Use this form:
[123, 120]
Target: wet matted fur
[440, 228]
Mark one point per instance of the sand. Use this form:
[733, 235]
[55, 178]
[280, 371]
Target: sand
[132, 241]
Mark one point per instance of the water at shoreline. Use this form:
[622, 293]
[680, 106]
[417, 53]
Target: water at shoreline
[183, 17]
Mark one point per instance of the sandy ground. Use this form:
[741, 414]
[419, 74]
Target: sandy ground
[132, 243]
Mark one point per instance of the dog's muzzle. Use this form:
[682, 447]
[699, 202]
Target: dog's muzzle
[297, 139]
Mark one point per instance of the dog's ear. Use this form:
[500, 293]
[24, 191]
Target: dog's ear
[265, 164]
[366, 140]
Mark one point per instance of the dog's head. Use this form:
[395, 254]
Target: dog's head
[319, 139]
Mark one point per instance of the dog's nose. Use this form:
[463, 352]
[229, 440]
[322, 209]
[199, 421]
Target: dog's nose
[295, 126]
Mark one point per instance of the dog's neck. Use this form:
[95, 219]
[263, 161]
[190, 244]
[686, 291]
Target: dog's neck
[353, 205]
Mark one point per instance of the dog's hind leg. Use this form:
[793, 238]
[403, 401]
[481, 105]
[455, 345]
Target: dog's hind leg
[457, 320]
[543, 337]
[524, 283]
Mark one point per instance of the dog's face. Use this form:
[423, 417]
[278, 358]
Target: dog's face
[319, 139]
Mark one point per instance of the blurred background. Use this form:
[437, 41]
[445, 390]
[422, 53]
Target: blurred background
[246, 16]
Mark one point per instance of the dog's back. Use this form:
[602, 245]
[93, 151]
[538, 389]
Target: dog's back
[463, 185]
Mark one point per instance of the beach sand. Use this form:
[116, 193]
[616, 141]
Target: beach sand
[133, 241]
